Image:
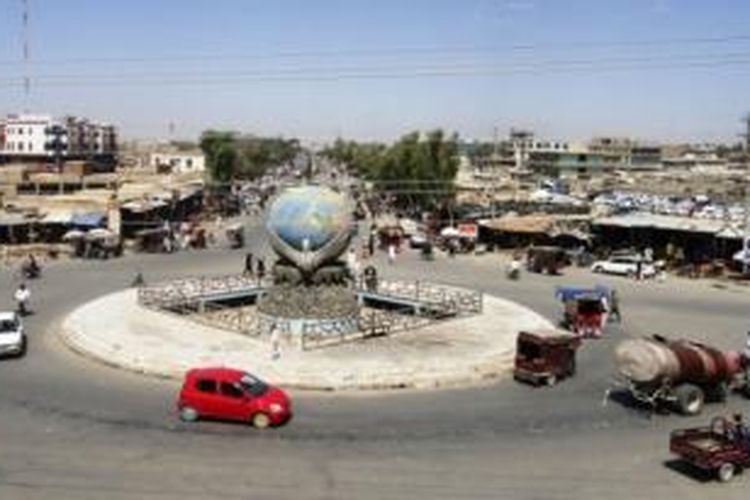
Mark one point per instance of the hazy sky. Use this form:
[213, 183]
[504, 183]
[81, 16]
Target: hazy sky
[667, 69]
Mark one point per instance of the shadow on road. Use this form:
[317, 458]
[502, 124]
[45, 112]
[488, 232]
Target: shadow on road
[688, 470]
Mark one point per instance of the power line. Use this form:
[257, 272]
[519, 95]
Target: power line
[452, 66]
[422, 73]
[369, 52]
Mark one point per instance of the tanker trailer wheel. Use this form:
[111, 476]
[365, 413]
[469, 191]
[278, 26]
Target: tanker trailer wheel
[689, 399]
[725, 472]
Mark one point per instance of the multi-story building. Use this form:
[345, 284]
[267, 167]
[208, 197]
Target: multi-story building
[574, 162]
[24, 136]
[43, 139]
[628, 153]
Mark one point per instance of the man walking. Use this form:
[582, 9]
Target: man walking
[248, 264]
[261, 269]
[22, 297]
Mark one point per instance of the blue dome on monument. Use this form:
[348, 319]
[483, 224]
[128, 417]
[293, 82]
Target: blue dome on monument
[311, 214]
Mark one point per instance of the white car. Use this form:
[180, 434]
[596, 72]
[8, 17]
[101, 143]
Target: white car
[626, 265]
[12, 336]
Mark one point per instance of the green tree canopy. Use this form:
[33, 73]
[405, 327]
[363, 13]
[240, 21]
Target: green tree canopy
[417, 170]
[233, 156]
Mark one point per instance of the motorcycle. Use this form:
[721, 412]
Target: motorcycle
[513, 271]
[31, 272]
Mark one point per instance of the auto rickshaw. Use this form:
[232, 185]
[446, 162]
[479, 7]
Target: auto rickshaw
[545, 356]
[236, 236]
[585, 309]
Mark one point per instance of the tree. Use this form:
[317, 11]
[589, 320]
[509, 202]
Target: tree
[418, 170]
[232, 156]
[214, 144]
[225, 165]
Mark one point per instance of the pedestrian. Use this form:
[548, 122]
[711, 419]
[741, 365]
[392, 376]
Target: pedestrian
[391, 253]
[614, 306]
[167, 244]
[260, 269]
[248, 264]
[371, 244]
[649, 254]
[639, 269]
[22, 297]
[740, 431]
[275, 343]
[351, 262]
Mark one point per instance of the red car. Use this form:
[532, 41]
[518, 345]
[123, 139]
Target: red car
[227, 394]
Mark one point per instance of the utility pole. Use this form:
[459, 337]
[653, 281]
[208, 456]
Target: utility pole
[26, 55]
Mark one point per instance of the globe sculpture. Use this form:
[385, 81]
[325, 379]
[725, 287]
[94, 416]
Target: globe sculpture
[309, 228]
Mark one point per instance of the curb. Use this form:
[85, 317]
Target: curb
[422, 375]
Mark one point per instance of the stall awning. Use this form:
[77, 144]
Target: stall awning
[90, 219]
[14, 219]
[58, 217]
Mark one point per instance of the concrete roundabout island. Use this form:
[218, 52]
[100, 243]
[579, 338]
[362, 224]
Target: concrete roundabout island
[117, 330]
[339, 330]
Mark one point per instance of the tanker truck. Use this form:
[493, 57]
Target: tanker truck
[680, 374]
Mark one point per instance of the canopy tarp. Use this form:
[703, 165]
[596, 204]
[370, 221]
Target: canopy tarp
[58, 217]
[567, 293]
[89, 219]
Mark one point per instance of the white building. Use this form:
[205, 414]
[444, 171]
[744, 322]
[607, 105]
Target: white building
[178, 163]
[25, 136]
[42, 137]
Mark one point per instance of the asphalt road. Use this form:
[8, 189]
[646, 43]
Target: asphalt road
[72, 428]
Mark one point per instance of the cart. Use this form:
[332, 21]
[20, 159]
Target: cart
[719, 448]
[545, 356]
[585, 309]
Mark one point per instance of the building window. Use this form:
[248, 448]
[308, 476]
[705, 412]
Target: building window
[20, 131]
[189, 163]
[31, 147]
[20, 146]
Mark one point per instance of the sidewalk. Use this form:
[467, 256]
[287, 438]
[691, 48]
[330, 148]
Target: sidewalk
[117, 331]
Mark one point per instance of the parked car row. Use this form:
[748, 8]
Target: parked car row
[699, 206]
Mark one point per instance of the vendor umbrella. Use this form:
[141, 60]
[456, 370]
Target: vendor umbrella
[98, 234]
[73, 234]
[450, 232]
